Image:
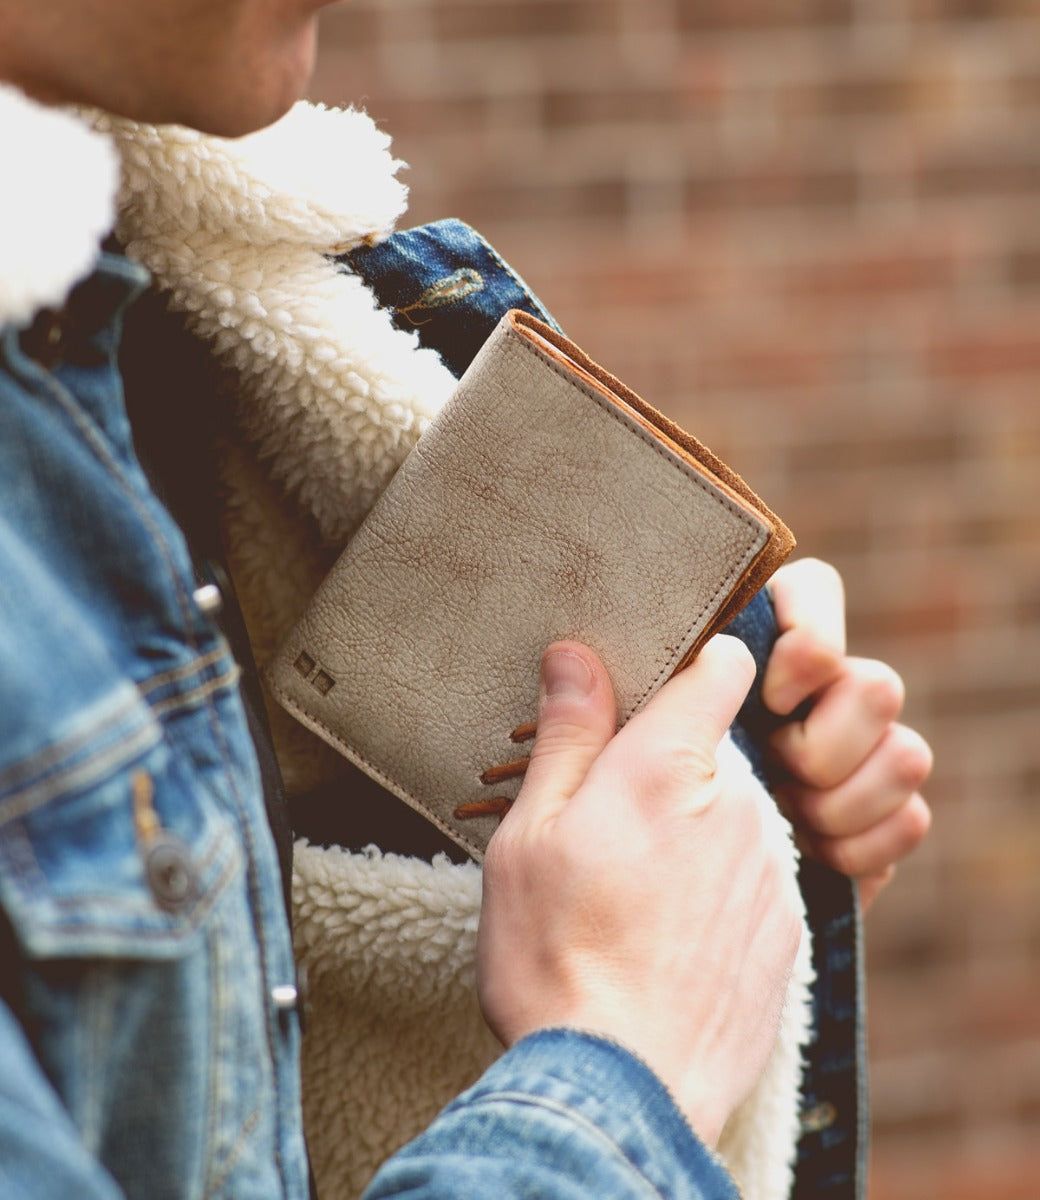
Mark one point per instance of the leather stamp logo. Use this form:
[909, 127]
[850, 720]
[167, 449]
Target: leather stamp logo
[315, 674]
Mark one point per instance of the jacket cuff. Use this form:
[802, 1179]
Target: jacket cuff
[602, 1082]
[562, 1114]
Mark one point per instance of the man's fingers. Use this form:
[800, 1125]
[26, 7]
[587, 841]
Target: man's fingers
[809, 594]
[675, 736]
[872, 852]
[702, 701]
[800, 666]
[809, 599]
[844, 726]
[853, 772]
[577, 716]
[881, 785]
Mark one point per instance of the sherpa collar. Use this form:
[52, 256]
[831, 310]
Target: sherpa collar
[238, 234]
[56, 204]
[320, 178]
[62, 176]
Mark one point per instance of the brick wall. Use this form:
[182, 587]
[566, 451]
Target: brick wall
[810, 230]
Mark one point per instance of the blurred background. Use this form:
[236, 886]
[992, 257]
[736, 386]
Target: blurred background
[809, 230]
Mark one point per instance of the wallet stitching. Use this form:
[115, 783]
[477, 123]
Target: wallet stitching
[380, 776]
[518, 343]
[679, 656]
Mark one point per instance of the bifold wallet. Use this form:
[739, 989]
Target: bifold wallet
[546, 501]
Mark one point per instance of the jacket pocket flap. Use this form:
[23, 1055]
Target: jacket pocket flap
[108, 846]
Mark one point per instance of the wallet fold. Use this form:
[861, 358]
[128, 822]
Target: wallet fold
[546, 501]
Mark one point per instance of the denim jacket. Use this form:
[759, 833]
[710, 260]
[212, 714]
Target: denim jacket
[145, 1047]
[148, 1029]
[148, 978]
[149, 1033]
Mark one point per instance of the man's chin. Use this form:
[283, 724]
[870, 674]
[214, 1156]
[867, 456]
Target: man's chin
[258, 97]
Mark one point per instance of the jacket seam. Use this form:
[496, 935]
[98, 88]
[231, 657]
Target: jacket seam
[81, 774]
[576, 1117]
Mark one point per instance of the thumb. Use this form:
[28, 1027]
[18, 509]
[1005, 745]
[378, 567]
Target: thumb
[577, 716]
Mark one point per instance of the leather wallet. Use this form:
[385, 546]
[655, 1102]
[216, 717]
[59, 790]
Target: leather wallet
[546, 501]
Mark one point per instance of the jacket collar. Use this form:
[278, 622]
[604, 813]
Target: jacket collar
[237, 235]
[66, 189]
[57, 203]
[319, 178]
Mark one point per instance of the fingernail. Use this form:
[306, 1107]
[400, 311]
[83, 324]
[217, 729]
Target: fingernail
[565, 676]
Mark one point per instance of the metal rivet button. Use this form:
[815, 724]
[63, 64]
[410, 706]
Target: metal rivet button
[170, 872]
[284, 997]
[818, 1117]
[208, 599]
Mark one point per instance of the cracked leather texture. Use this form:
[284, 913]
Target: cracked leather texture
[544, 502]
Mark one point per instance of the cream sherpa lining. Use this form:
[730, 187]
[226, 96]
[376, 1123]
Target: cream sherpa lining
[395, 1032]
[239, 233]
[331, 398]
[57, 203]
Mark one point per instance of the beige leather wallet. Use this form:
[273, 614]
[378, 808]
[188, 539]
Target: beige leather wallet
[545, 501]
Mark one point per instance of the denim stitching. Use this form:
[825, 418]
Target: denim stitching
[575, 1116]
[104, 456]
[216, 1175]
[29, 879]
[104, 762]
[225, 681]
[175, 674]
[53, 755]
[529, 295]
[253, 883]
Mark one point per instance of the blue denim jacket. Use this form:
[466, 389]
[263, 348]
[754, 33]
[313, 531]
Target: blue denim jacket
[148, 1041]
[144, 1046]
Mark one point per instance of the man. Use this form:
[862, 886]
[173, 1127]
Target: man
[147, 1041]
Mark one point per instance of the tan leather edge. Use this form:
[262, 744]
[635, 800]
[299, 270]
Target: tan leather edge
[780, 541]
[682, 442]
[753, 580]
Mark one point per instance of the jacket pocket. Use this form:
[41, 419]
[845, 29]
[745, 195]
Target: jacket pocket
[108, 847]
[140, 985]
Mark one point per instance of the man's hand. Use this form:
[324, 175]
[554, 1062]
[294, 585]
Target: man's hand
[641, 887]
[854, 771]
